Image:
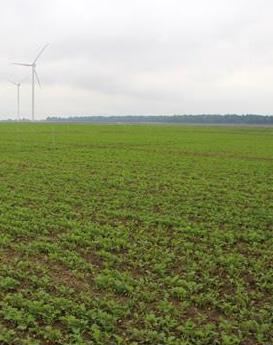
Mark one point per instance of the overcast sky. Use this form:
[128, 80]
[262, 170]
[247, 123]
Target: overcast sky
[139, 56]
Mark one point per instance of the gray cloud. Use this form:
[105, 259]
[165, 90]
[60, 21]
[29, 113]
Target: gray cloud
[139, 57]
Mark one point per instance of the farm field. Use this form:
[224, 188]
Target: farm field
[121, 234]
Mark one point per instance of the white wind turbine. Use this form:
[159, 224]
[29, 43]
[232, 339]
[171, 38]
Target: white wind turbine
[34, 75]
[18, 85]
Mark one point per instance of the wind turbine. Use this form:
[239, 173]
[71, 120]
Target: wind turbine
[34, 76]
[18, 85]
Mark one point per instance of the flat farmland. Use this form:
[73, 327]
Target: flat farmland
[122, 234]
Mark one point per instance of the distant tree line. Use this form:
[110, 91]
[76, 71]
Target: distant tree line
[176, 119]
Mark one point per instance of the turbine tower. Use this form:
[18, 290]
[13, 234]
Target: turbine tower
[34, 76]
[18, 85]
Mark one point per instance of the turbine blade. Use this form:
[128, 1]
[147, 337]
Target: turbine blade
[40, 53]
[37, 78]
[12, 82]
[23, 80]
[21, 64]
